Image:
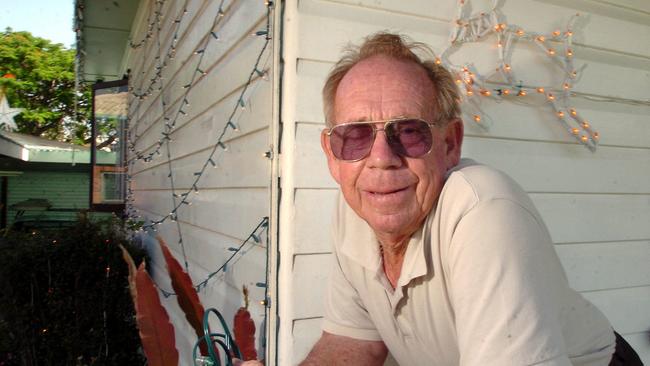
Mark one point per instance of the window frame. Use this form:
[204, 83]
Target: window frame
[96, 170]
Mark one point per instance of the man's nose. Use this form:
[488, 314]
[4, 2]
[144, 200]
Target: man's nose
[381, 154]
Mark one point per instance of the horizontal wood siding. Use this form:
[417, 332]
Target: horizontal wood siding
[232, 197]
[596, 205]
[64, 190]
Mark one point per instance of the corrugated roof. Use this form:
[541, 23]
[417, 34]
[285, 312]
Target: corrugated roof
[37, 149]
[39, 143]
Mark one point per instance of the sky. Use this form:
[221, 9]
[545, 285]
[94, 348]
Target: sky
[49, 19]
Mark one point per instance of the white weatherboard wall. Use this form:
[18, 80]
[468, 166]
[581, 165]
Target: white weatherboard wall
[596, 205]
[232, 198]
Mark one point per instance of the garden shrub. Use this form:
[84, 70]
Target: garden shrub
[64, 297]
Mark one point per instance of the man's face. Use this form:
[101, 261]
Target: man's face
[392, 193]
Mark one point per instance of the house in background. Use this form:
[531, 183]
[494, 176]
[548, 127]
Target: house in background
[224, 128]
[45, 183]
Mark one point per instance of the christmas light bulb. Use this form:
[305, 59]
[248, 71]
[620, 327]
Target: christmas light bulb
[575, 131]
[551, 96]
[560, 114]
[520, 32]
[506, 91]
[585, 124]
[477, 118]
[584, 138]
[540, 90]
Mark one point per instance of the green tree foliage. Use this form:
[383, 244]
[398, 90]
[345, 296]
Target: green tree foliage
[64, 298]
[39, 76]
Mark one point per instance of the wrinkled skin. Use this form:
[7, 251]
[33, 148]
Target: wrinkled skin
[393, 194]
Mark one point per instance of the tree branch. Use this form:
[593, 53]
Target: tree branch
[106, 143]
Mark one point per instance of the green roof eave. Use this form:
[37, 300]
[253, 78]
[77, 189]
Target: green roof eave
[59, 156]
[38, 150]
[71, 156]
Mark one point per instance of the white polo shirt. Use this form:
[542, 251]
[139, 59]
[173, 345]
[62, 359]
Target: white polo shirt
[481, 284]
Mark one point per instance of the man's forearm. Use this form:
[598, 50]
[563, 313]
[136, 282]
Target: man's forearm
[338, 350]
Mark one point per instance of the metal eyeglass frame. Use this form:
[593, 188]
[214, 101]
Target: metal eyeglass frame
[386, 122]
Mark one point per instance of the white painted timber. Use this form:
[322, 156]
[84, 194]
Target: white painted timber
[619, 125]
[229, 171]
[535, 165]
[234, 197]
[639, 341]
[596, 205]
[305, 332]
[602, 266]
[626, 308]
[314, 270]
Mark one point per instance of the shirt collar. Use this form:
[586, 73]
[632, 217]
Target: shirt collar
[359, 243]
[357, 240]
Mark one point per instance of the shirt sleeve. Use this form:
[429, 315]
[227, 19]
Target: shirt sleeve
[345, 314]
[506, 284]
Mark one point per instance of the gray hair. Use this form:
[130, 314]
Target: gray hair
[401, 48]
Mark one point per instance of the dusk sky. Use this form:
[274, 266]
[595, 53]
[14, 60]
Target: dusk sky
[50, 19]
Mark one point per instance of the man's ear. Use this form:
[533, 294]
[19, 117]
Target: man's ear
[453, 140]
[332, 162]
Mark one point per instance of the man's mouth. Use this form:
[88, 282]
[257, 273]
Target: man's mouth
[388, 192]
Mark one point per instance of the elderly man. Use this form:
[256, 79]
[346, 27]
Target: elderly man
[438, 260]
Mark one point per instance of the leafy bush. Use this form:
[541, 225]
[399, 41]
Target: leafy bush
[64, 298]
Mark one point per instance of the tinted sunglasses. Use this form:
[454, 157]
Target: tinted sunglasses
[409, 137]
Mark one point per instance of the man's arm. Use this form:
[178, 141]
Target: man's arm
[340, 350]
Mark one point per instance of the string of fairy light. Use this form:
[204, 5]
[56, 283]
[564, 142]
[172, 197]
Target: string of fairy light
[181, 198]
[254, 238]
[210, 337]
[475, 86]
[143, 93]
[199, 73]
[169, 158]
[230, 125]
[151, 23]
[157, 18]
[79, 53]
